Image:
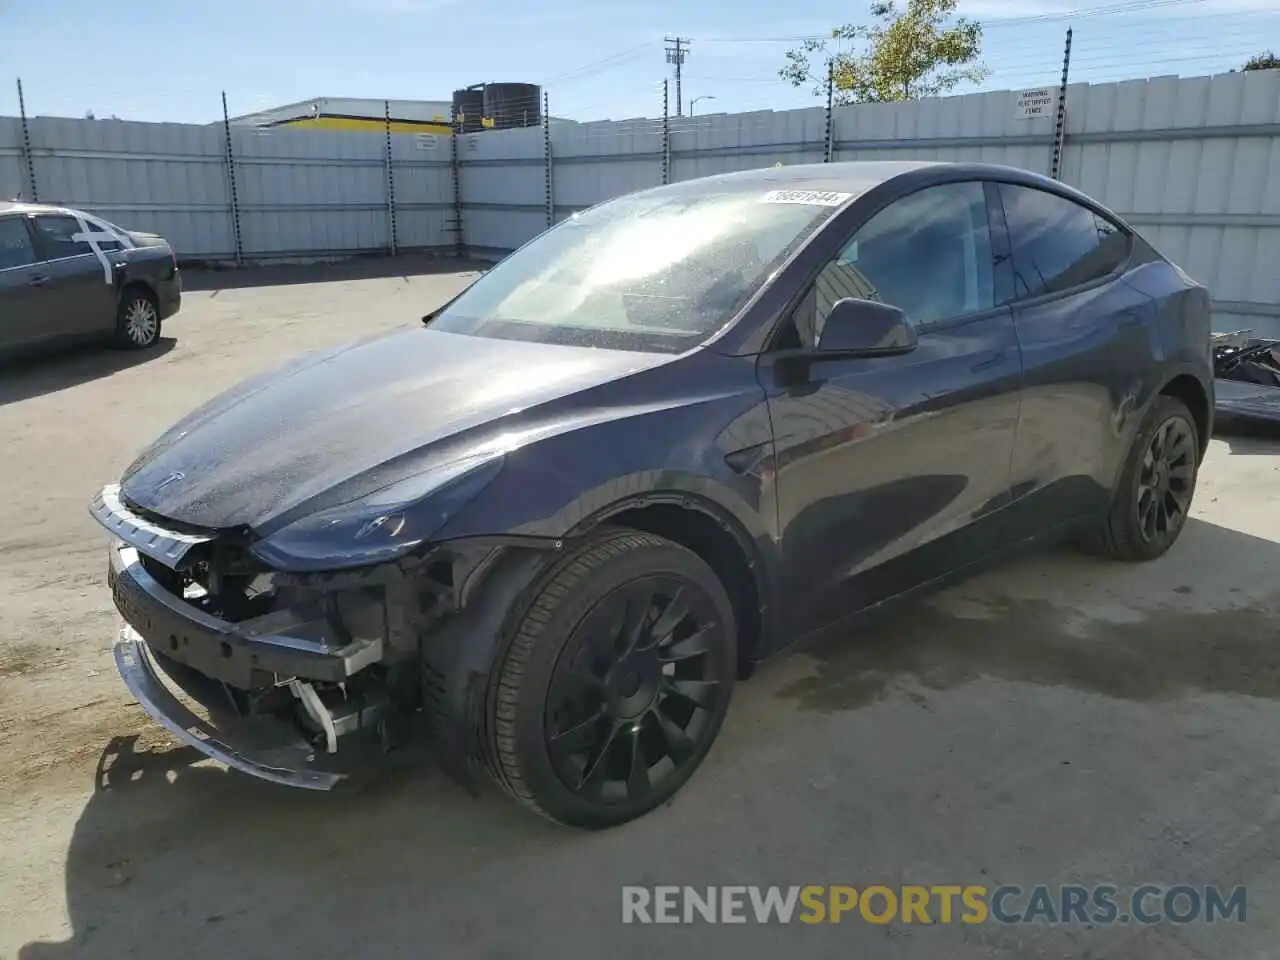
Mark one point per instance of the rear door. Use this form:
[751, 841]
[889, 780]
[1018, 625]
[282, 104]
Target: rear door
[1086, 351]
[82, 294]
[21, 290]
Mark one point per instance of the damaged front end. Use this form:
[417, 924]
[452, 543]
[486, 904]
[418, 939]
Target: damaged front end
[1246, 373]
[302, 678]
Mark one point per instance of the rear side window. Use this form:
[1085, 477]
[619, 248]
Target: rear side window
[1057, 244]
[58, 233]
[16, 249]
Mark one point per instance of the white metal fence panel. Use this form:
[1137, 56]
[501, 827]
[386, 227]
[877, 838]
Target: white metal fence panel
[504, 188]
[1195, 165]
[980, 128]
[300, 193]
[702, 146]
[165, 178]
[13, 174]
[423, 190]
[592, 162]
[303, 191]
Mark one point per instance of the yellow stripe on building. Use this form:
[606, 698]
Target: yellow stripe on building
[368, 124]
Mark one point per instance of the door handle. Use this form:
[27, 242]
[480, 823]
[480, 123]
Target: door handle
[37, 281]
[989, 362]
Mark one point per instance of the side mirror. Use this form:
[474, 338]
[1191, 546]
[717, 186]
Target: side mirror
[866, 328]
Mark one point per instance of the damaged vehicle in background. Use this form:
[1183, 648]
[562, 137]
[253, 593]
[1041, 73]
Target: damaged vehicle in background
[1247, 389]
[544, 533]
[67, 276]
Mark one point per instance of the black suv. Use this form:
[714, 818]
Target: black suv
[545, 533]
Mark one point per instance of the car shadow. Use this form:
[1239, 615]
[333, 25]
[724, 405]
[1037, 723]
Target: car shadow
[21, 379]
[1174, 644]
[166, 820]
[170, 849]
[198, 278]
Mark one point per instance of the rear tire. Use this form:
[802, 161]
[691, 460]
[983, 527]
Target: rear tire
[1150, 504]
[615, 682]
[137, 319]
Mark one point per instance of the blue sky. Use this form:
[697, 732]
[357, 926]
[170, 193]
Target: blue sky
[169, 59]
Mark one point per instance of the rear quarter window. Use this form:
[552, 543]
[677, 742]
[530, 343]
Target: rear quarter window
[1056, 243]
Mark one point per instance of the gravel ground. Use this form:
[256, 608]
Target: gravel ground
[1057, 721]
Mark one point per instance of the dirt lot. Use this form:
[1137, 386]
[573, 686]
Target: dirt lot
[1057, 721]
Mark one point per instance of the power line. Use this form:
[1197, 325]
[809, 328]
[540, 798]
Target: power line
[1115, 9]
[1086, 13]
[604, 63]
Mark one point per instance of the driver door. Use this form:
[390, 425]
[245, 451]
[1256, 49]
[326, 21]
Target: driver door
[892, 471]
[81, 296]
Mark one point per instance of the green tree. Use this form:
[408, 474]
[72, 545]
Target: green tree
[919, 52]
[1263, 61]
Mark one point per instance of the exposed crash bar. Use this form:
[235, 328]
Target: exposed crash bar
[141, 676]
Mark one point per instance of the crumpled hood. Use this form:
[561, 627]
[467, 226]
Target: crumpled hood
[354, 418]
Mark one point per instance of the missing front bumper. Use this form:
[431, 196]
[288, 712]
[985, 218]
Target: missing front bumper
[287, 762]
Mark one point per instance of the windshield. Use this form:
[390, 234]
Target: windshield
[657, 271]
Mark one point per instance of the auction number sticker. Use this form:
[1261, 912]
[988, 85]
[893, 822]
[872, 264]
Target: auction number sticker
[820, 198]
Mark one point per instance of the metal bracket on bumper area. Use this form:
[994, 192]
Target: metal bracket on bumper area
[285, 763]
[231, 652]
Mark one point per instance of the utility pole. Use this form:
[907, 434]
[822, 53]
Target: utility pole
[677, 51]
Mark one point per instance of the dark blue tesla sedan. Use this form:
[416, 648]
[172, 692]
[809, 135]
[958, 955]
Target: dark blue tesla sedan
[543, 533]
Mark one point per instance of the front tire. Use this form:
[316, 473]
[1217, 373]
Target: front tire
[1153, 498]
[615, 683]
[137, 319]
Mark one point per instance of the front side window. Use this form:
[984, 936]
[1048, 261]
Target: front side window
[661, 270]
[929, 254]
[16, 249]
[1057, 244]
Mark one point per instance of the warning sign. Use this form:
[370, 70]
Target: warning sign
[1033, 104]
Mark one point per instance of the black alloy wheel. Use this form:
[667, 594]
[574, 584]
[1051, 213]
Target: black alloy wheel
[1152, 500]
[1166, 479]
[615, 682]
[635, 690]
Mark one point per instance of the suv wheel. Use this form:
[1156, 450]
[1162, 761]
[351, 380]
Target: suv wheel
[615, 682]
[1151, 503]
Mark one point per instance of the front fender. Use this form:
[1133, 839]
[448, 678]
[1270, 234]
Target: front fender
[557, 486]
[458, 657]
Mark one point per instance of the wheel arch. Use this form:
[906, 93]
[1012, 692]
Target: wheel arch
[718, 539]
[1191, 391]
[137, 283]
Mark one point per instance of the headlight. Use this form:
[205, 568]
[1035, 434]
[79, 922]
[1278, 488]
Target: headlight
[381, 526]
